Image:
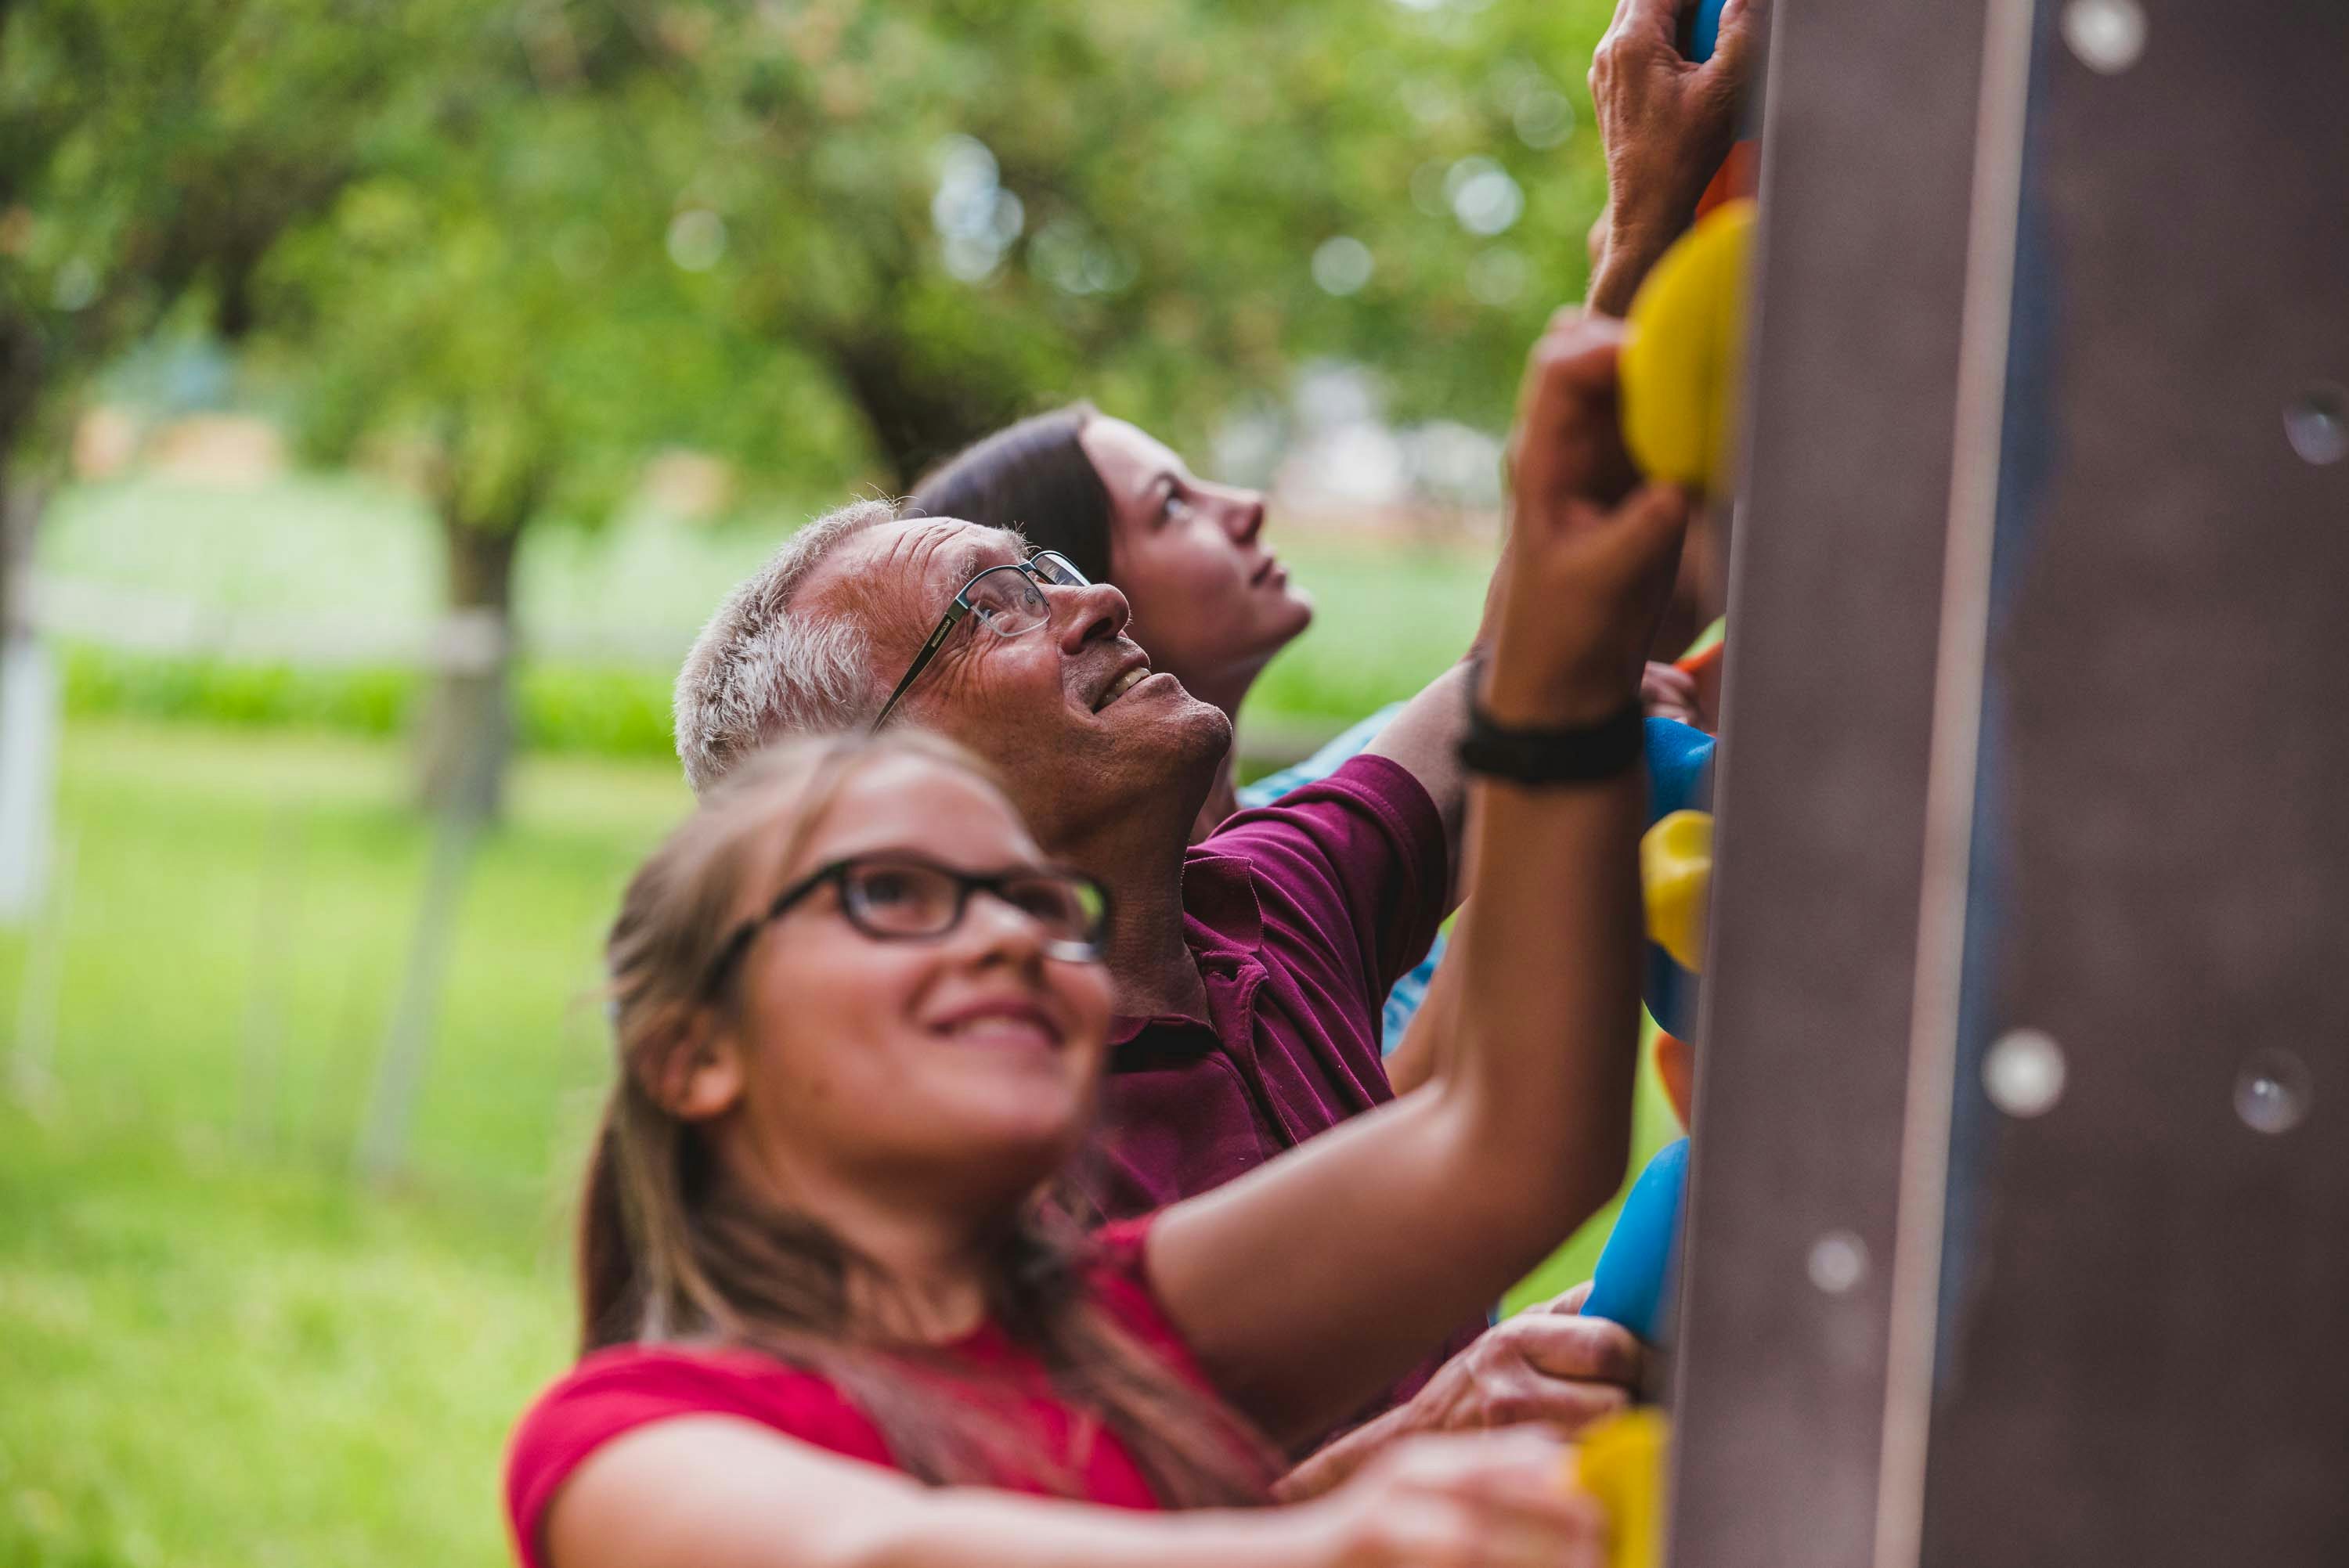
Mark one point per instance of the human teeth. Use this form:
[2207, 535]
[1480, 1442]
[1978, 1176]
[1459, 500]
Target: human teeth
[1123, 683]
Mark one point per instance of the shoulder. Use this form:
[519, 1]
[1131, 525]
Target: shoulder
[1367, 814]
[1119, 1278]
[616, 1391]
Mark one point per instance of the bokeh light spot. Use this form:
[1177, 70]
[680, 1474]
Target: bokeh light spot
[696, 239]
[1342, 265]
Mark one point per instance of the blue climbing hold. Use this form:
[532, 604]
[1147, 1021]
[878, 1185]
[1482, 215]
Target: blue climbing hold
[1704, 30]
[1628, 1284]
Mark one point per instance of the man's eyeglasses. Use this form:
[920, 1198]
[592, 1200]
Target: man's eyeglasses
[1007, 601]
[902, 897]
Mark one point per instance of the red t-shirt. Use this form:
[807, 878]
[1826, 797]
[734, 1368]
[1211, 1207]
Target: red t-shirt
[615, 1392]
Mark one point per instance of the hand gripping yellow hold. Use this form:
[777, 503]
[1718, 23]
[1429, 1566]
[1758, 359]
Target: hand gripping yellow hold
[1676, 874]
[1680, 365]
[1621, 1464]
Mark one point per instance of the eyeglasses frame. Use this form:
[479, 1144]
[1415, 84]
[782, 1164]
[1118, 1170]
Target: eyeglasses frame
[739, 941]
[962, 607]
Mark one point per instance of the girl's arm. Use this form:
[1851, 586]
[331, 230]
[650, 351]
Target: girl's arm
[720, 1493]
[1310, 1283]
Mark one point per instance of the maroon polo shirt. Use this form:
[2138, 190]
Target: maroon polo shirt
[1302, 915]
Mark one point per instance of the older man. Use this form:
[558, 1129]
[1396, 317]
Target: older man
[1249, 970]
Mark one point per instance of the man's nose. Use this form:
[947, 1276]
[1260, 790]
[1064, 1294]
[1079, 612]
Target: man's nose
[1095, 613]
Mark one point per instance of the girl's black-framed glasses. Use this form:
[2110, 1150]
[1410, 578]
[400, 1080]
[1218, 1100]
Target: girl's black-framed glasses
[1007, 599]
[897, 896]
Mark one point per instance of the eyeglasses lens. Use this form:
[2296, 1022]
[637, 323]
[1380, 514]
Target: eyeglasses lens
[918, 900]
[903, 901]
[1008, 603]
[1070, 911]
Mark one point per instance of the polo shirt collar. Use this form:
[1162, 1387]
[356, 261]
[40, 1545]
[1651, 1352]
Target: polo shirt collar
[1223, 925]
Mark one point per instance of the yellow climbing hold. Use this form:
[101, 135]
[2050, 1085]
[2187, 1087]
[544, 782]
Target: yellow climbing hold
[1681, 363]
[1676, 874]
[1621, 1464]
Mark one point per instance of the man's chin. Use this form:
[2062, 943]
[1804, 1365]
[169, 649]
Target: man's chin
[1163, 713]
[1199, 728]
[1178, 735]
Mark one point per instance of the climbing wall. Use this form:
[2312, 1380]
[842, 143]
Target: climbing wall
[2019, 1220]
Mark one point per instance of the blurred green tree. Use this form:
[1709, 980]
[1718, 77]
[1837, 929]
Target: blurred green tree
[839, 241]
[151, 154]
[966, 210]
[530, 242]
[493, 305]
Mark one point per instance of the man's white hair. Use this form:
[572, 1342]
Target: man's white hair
[757, 673]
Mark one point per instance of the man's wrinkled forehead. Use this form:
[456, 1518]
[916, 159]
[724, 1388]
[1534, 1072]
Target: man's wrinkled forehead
[902, 575]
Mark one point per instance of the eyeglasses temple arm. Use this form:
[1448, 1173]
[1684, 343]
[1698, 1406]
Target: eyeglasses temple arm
[946, 624]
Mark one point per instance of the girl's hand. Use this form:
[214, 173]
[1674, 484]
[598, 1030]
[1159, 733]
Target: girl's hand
[1486, 1499]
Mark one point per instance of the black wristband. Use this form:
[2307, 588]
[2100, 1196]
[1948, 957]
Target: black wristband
[1582, 755]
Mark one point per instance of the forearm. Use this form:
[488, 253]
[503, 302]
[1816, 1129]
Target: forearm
[1622, 267]
[1544, 1072]
[719, 1493]
[982, 1530]
[1306, 1285]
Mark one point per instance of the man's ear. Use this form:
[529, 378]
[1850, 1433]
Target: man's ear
[701, 1078]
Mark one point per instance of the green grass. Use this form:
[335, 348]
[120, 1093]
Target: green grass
[216, 1347]
[239, 915]
[212, 1364]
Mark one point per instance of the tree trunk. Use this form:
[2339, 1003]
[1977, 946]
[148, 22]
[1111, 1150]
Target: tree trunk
[28, 685]
[22, 364]
[468, 738]
[918, 416]
[468, 735]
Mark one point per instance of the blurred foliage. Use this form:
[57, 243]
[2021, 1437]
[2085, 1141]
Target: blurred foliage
[245, 694]
[605, 711]
[518, 247]
[494, 302]
[551, 234]
[151, 154]
[971, 208]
